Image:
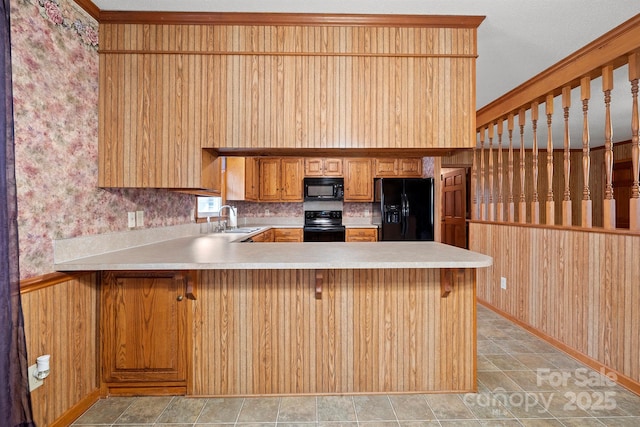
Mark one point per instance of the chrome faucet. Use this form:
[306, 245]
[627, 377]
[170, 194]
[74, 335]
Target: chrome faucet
[231, 214]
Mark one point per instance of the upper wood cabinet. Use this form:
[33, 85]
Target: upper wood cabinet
[243, 178]
[154, 121]
[320, 166]
[358, 180]
[400, 168]
[281, 179]
[238, 82]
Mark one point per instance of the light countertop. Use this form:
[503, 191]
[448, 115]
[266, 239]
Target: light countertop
[227, 251]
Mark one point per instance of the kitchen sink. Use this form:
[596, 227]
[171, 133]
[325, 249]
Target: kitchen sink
[242, 230]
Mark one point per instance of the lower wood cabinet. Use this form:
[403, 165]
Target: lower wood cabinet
[288, 235]
[265, 236]
[361, 235]
[144, 326]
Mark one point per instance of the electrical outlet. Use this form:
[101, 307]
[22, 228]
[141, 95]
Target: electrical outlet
[366, 212]
[34, 382]
[131, 219]
[140, 218]
[503, 283]
[266, 212]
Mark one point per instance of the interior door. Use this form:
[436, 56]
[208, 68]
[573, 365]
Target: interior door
[454, 206]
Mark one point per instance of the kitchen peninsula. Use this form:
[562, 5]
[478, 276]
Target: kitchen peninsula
[283, 318]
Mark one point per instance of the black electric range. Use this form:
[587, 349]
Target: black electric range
[323, 226]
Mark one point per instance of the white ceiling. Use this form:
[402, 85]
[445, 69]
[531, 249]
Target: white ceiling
[517, 40]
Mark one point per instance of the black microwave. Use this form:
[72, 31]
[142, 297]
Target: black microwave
[323, 189]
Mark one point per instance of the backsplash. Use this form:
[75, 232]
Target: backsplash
[55, 88]
[293, 210]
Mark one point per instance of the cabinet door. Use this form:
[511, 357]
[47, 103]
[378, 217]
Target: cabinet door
[270, 179]
[252, 179]
[288, 235]
[358, 180]
[313, 166]
[410, 168]
[139, 146]
[265, 236]
[332, 167]
[144, 328]
[242, 178]
[361, 235]
[291, 179]
[385, 167]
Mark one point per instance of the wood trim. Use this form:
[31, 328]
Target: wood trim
[50, 279]
[89, 7]
[622, 379]
[332, 152]
[287, 53]
[290, 19]
[612, 48]
[78, 409]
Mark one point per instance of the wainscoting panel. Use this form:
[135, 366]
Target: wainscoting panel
[578, 288]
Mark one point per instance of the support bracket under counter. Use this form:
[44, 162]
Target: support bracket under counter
[447, 279]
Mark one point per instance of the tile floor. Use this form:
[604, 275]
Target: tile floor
[522, 381]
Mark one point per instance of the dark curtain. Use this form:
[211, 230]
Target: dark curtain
[15, 400]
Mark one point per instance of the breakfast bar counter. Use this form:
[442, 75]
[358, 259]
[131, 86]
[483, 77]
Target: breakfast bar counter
[301, 318]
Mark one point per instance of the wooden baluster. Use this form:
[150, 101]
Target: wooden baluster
[587, 204]
[550, 205]
[492, 210]
[522, 205]
[609, 207]
[500, 204]
[535, 203]
[512, 209]
[566, 200]
[474, 186]
[634, 202]
[483, 211]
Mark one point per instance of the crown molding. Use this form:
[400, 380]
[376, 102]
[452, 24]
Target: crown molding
[241, 18]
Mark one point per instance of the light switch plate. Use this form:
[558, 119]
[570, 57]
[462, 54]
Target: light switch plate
[503, 283]
[139, 218]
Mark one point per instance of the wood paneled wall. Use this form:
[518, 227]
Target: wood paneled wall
[577, 287]
[169, 90]
[61, 320]
[264, 332]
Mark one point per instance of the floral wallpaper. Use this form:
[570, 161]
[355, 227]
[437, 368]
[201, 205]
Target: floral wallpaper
[55, 88]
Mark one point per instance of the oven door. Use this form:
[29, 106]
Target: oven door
[323, 234]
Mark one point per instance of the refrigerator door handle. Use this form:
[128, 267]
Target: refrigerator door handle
[404, 214]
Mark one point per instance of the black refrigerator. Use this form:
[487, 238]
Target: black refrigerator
[403, 208]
